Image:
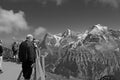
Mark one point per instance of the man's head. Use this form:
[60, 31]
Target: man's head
[29, 37]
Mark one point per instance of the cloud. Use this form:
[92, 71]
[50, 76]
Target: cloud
[113, 3]
[39, 32]
[10, 21]
[58, 2]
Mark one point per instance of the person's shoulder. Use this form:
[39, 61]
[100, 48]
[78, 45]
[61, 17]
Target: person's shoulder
[23, 43]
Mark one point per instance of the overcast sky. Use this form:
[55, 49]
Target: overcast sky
[20, 17]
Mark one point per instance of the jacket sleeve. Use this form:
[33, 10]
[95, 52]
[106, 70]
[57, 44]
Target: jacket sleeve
[1, 50]
[22, 52]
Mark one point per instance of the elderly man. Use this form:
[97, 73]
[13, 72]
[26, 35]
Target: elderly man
[27, 56]
[1, 51]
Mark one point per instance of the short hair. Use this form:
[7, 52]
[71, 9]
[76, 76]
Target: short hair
[29, 36]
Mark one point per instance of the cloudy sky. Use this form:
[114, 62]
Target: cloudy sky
[21, 17]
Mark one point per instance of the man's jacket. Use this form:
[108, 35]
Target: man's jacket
[27, 52]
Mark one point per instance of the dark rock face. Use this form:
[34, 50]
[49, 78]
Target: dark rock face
[7, 54]
[108, 77]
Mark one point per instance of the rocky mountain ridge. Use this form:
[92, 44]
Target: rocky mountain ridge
[88, 56]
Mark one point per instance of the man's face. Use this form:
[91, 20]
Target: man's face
[31, 38]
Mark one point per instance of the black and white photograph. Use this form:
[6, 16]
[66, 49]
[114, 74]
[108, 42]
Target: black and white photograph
[59, 39]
